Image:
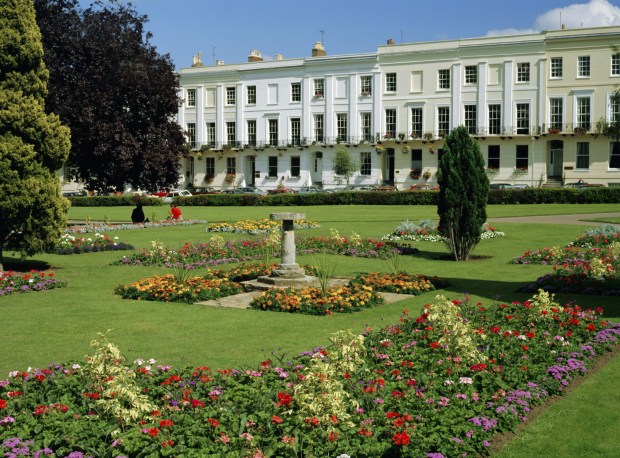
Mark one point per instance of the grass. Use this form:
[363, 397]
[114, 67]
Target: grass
[58, 325]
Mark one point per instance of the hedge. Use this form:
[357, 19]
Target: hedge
[600, 195]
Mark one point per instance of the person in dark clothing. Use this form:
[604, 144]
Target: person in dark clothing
[137, 215]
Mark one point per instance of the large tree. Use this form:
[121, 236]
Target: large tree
[463, 193]
[33, 144]
[344, 164]
[114, 90]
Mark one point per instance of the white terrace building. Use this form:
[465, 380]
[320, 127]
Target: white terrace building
[532, 101]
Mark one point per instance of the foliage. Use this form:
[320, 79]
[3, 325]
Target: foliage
[394, 391]
[260, 226]
[463, 193]
[33, 144]
[113, 201]
[344, 164]
[14, 283]
[68, 244]
[115, 91]
[427, 231]
[107, 227]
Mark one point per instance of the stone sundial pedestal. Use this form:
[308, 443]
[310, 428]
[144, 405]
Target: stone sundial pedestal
[287, 273]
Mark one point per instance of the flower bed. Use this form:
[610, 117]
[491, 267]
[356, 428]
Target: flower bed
[69, 244]
[438, 385]
[105, 227]
[217, 251]
[588, 265]
[312, 301]
[169, 288]
[426, 231]
[261, 226]
[401, 283]
[14, 282]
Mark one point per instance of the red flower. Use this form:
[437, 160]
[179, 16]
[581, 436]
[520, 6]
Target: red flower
[365, 432]
[2, 404]
[213, 422]
[530, 335]
[478, 367]
[168, 443]
[434, 344]
[153, 432]
[525, 348]
[277, 420]
[166, 423]
[284, 399]
[591, 327]
[495, 329]
[314, 421]
[197, 403]
[392, 415]
[333, 436]
[401, 438]
[40, 410]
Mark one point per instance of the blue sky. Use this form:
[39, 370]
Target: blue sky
[230, 29]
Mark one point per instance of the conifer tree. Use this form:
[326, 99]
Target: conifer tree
[33, 144]
[463, 193]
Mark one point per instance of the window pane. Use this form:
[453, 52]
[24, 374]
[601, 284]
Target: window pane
[493, 157]
[583, 155]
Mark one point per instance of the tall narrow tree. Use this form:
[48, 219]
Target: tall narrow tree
[115, 92]
[463, 193]
[33, 144]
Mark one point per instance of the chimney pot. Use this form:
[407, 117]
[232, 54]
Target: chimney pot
[318, 50]
[255, 56]
[279, 57]
[390, 41]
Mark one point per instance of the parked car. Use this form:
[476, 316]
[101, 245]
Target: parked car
[169, 198]
[583, 185]
[500, 185]
[74, 193]
[309, 189]
[358, 187]
[205, 190]
[280, 191]
[423, 187]
[250, 190]
[385, 188]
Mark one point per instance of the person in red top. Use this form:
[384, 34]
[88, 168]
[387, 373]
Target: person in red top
[175, 212]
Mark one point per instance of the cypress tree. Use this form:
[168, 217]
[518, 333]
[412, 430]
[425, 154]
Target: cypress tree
[463, 193]
[33, 144]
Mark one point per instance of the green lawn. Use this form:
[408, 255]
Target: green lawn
[58, 325]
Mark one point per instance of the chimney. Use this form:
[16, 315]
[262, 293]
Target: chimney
[279, 57]
[318, 50]
[390, 41]
[197, 62]
[219, 62]
[255, 56]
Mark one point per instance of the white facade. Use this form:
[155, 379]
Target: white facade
[531, 101]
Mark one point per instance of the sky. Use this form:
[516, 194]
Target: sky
[228, 30]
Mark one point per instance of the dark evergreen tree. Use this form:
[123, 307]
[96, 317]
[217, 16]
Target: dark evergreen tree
[463, 193]
[33, 144]
[115, 92]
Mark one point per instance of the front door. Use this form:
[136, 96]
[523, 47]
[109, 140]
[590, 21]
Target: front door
[317, 169]
[251, 181]
[390, 167]
[555, 158]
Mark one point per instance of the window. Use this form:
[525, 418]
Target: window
[231, 132]
[614, 155]
[295, 166]
[471, 74]
[443, 79]
[365, 163]
[231, 96]
[557, 70]
[390, 123]
[231, 165]
[366, 125]
[614, 109]
[443, 121]
[471, 119]
[416, 159]
[583, 67]
[210, 166]
[556, 109]
[295, 92]
[493, 157]
[582, 160]
[416, 123]
[523, 118]
[523, 72]
[252, 132]
[295, 131]
[615, 64]
[191, 134]
[522, 158]
[390, 82]
[366, 85]
[251, 95]
[583, 113]
[342, 129]
[191, 97]
[211, 133]
[318, 127]
[273, 166]
[495, 119]
[273, 132]
[319, 88]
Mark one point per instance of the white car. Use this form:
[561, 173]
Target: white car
[169, 198]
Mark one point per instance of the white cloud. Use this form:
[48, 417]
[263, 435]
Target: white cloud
[596, 13]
